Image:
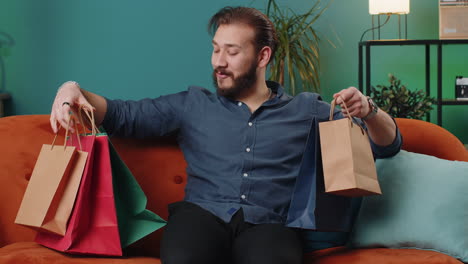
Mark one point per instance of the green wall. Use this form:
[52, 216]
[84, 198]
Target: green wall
[146, 48]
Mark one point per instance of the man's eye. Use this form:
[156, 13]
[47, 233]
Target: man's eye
[215, 50]
[232, 53]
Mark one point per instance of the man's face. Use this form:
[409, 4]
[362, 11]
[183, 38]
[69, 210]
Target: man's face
[234, 59]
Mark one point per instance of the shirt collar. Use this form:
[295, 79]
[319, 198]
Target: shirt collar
[275, 87]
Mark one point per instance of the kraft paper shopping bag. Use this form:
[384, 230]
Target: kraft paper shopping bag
[348, 162]
[51, 191]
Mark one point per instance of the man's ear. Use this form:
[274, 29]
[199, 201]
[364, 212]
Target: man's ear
[264, 57]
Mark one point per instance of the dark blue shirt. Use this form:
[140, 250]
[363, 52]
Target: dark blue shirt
[235, 158]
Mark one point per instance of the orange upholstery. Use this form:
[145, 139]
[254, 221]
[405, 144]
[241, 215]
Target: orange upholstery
[33, 253]
[159, 167]
[341, 255]
[427, 138]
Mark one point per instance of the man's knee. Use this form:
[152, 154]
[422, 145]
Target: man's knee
[190, 257]
[193, 236]
[272, 244]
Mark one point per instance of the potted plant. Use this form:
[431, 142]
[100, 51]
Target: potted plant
[297, 56]
[398, 101]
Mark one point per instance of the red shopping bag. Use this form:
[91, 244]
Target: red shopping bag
[93, 226]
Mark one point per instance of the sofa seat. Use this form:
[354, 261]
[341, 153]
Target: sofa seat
[31, 252]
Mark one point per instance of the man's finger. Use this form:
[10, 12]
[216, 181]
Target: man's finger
[53, 124]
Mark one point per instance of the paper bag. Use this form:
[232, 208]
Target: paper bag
[110, 211]
[52, 188]
[348, 162]
[135, 221]
[93, 227]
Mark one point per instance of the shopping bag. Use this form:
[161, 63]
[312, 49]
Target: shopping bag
[312, 208]
[94, 226]
[348, 162]
[135, 221]
[52, 189]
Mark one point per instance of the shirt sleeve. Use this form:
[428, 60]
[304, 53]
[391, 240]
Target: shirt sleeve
[146, 117]
[381, 152]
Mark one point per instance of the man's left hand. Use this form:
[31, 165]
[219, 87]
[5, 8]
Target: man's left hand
[355, 101]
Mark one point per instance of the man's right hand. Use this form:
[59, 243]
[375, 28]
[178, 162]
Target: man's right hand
[69, 98]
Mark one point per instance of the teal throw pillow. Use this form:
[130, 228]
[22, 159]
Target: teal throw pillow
[424, 205]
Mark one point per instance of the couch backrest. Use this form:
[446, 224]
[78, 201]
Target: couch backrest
[427, 138]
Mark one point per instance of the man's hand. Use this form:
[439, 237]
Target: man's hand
[355, 101]
[381, 127]
[69, 98]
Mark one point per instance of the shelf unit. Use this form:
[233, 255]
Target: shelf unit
[365, 68]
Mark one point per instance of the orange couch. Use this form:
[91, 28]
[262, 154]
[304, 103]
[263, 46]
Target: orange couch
[159, 167]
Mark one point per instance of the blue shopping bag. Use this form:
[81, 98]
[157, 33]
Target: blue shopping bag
[311, 207]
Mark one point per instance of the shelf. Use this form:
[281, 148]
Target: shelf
[364, 67]
[408, 42]
[453, 102]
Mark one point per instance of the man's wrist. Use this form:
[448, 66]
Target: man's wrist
[373, 109]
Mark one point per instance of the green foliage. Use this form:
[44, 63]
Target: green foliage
[398, 101]
[297, 57]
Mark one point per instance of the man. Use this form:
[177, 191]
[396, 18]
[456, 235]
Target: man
[243, 146]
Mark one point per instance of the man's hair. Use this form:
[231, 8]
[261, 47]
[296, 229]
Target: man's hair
[265, 33]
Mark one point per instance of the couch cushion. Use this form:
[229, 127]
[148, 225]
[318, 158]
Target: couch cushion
[341, 255]
[33, 253]
[424, 206]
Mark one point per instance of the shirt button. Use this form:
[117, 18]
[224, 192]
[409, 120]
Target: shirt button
[243, 196]
[245, 175]
[247, 149]
[250, 124]
[239, 103]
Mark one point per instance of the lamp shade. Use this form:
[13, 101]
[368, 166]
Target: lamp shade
[389, 6]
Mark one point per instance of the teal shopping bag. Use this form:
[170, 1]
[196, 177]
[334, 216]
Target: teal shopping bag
[135, 221]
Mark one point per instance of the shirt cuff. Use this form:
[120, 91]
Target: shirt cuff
[381, 152]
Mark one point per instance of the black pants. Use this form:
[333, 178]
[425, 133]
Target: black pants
[196, 236]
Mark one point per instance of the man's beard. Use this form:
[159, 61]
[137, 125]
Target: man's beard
[240, 84]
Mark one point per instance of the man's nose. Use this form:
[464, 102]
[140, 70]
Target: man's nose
[220, 60]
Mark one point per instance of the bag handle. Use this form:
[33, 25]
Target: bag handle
[333, 104]
[77, 135]
[90, 116]
[66, 134]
